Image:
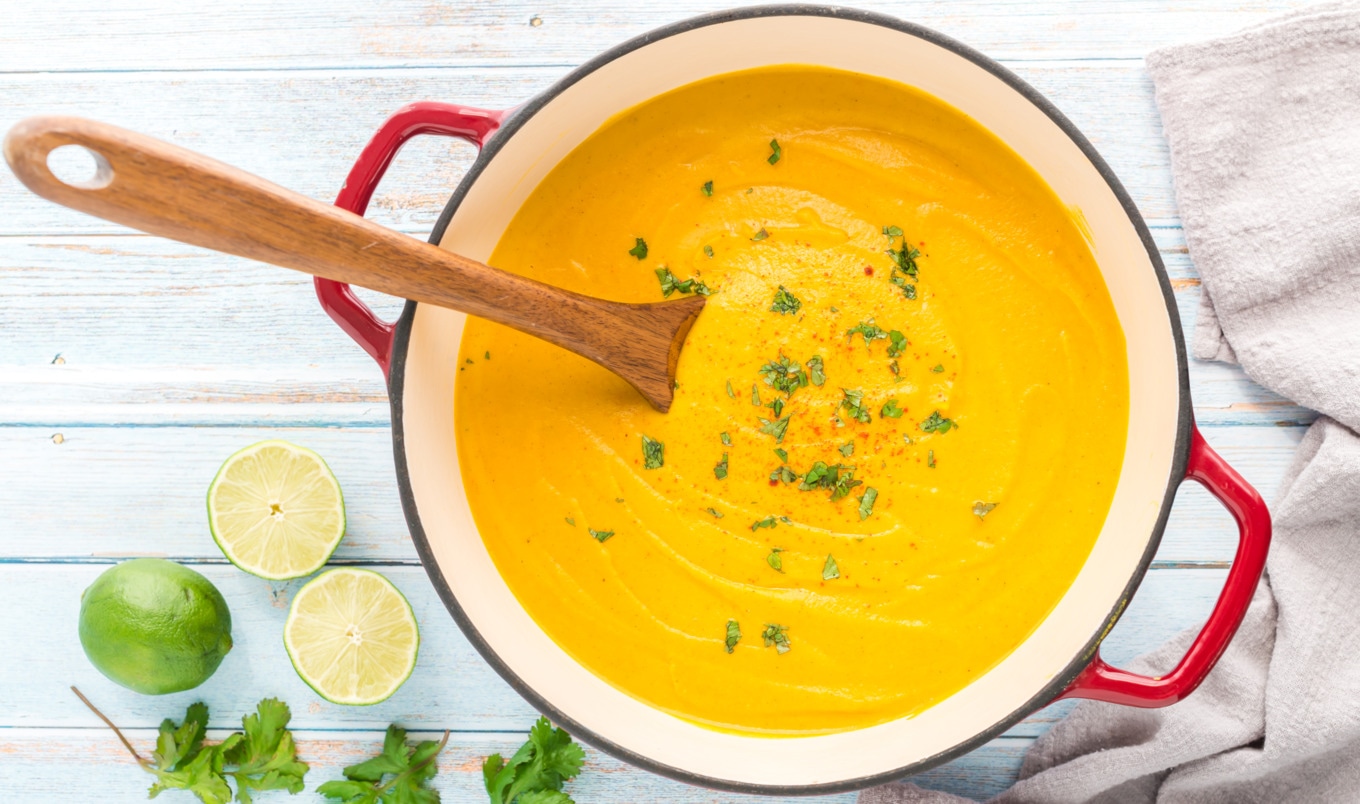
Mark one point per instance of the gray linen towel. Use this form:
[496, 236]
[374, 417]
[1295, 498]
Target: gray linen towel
[1264, 128]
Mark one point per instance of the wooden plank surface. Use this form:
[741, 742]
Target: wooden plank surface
[130, 367]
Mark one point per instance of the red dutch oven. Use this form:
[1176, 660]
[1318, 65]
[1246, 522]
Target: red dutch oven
[1060, 659]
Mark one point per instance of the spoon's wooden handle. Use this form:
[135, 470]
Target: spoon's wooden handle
[169, 191]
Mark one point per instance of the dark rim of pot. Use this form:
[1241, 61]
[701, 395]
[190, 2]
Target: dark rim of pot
[401, 341]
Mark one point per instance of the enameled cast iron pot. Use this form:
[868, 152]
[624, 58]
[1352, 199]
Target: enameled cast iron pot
[1059, 660]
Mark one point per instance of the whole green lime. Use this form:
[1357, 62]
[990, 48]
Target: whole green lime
[154, 626]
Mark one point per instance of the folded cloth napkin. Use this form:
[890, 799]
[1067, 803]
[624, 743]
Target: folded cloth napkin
[1264, 128]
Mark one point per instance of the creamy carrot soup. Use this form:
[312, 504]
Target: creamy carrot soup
[898, 424]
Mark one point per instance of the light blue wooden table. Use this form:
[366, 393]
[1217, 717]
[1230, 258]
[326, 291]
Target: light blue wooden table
[130, 366]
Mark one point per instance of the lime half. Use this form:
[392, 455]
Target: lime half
[276, 510]
[352, 636]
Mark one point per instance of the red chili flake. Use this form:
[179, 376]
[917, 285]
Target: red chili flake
[774, 482]
[868, 270]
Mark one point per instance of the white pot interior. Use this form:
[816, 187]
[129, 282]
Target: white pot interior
[552, 132]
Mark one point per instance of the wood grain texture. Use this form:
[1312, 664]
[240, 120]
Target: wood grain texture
[175, 193]
[106, 493]
[451, 688]
[253, 34]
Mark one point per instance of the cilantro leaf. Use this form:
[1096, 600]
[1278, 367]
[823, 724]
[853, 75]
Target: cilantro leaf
[930, 458]
[708, 252]
[939, 369]
[775, 561]
[774, 635]
[409, 768]
[731, 393]
[180, 762]
[777, 406]
[707, 188]
[726, 439]
[760, 235]
[847, 449]
[935, 423]
[830, 571]
[816, 370]
[776, 428]
[538, 769]
[653, 453]
[715, 513]
[891, 410]
[733, 635]
[720, 470]
[767, 522]
[982, 509]
[892, 231]
[639, 250]
[266, 758]
[897, 343]
[601, 536]
[755, 395]
[785, 303]
[853, 403]
[871, 332]
[866, 503]
[776, 153]
[784, 375]
[670, 283]
[785, 474]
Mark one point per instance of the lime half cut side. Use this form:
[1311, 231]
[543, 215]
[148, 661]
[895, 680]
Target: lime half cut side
[276, 510]
[352, 636]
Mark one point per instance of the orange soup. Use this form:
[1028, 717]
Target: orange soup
[898, 423]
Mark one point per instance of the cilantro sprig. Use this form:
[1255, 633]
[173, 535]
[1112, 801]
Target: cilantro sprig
[537, 771]
[260, 757]
[784, 375]
[406, 769]
[785, 303]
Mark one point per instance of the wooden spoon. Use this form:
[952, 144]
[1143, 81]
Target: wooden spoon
[166, 190]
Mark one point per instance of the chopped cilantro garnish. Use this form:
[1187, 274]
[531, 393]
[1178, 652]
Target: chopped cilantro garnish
[897, 343]
[784, 375]
[816, 371]
[707, 187]
[720, 470]
[487, 356]
[726, 439]
[908, 439]
[866, 503]
[894, 368]
[767, 522]
[716, 513]
[982, 509]
[785, 303]
[847, 449]
[775, 152]
[708, 251]
[571, 521]
[785, 474]
[653, 453]
[853, 403]
[783, 455]
[618, 499]
[774, 560]
[670, 283]
[930, 458]
[639, 250]
[904, 259]
[776, 428]
[760, 235]
[910, 292]
[892, 231]
[777, 406]
[936, 423]
[730, 392]
[869, 330]
[939, 369]
[755, 394]
[890, 410]
[774, 635]
[601, 536]
[839, 478]
[830, 571]
[733, 635]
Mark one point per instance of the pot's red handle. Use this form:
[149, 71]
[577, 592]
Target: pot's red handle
[1101, 682]
[464, 122]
